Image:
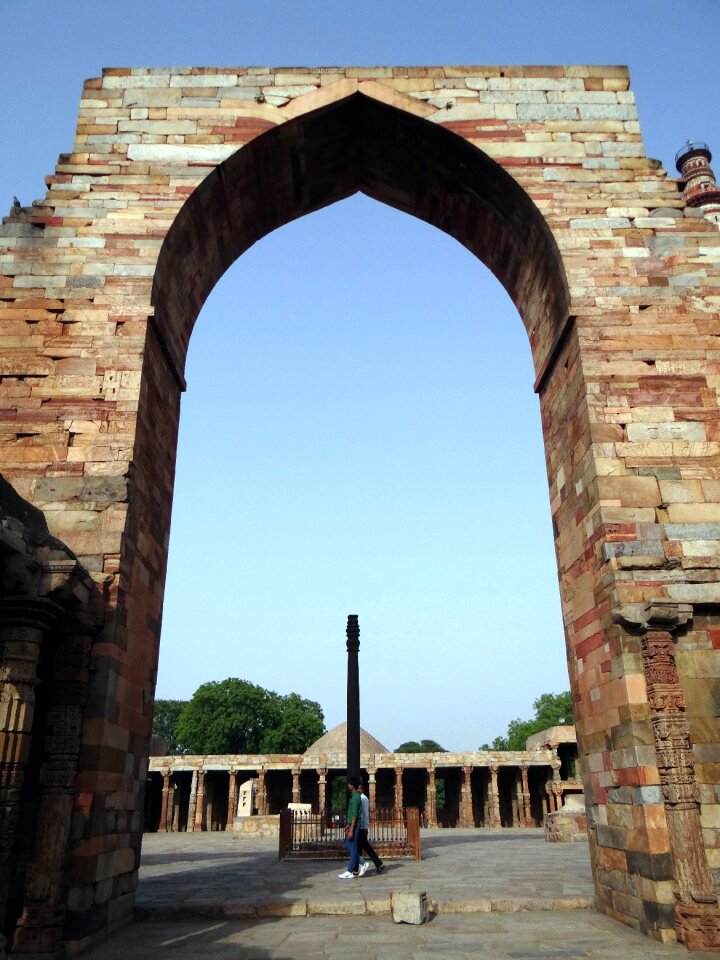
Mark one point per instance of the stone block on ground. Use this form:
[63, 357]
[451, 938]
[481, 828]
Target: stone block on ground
[409, 907]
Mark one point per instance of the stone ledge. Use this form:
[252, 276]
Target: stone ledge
[357, 907]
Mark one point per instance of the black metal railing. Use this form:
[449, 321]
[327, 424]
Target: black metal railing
[393, 834]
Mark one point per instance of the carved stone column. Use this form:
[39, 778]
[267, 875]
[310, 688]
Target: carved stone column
[372, 785]
[556, 787]
[527, 810]
[232, 799]
[432, 798]
[399, 799]
[322, 790]
[200, 801]
[261, 798]
[494, 797]
[162, 828]
[192, 803]
[516, 803]
[466, 819]
[175, 807]
[23, 621]
[697, 914]
[39, 926]
[296, 785]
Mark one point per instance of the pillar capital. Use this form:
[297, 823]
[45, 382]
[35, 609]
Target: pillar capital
[38, 613]
[664, 615]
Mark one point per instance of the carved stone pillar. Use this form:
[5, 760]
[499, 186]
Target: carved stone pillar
[399, 799]
[432, 798]
[556, 793]
[232, 799]
[39, 926]
[697, 914]
[200, 801]
[322, 788]
[466, 818]
[296, 785]
[175, 807]
[192, 803]
[23, 621]
[261, 798]
[516, 804]
[372, 786]
[527, 810]
[494, 797]
[162, 828]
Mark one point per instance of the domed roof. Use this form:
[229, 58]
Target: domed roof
[334, 743]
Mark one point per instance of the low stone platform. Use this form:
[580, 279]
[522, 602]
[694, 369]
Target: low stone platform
[187, 876]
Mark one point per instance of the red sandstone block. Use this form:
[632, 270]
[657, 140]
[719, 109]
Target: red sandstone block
[596, 613]
[591, 643]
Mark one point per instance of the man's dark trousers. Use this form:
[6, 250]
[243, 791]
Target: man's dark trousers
[364, 847]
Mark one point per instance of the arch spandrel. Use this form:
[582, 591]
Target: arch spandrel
[360, 143]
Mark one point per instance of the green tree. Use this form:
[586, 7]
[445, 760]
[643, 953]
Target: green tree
[165, 718]
[339, 795]
[236, 716]
[421, 746]
[297, 723]
[551, 710]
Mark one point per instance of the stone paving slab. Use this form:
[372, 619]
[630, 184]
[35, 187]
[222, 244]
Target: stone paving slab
[203, 875]
[500, 894]
[584, 935]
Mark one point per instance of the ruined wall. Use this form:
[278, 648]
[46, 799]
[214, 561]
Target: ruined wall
[540, 171]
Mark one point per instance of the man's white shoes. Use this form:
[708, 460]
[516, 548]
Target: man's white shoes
[363, 869]
[347, 875]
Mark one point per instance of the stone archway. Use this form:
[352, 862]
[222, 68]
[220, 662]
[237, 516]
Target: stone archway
[541, 173]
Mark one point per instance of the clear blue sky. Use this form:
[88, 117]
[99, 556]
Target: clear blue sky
[359, 433]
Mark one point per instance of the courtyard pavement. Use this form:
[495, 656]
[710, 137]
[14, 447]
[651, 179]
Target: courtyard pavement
[212, 875]
[498, 894]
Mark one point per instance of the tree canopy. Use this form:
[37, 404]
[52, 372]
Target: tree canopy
[236, 716]
[421, 746]
[551, 710]
[165, 717]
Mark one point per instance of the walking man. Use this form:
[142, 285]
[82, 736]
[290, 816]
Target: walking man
[364, 826]
[351, 832]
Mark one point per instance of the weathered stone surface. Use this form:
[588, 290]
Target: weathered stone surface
[408, 907]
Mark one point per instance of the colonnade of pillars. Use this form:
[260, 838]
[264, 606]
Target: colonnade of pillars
[476, 797]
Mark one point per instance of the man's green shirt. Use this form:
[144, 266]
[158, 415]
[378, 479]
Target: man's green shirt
[353, 808]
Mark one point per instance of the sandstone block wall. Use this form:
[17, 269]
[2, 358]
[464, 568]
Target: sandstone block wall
[540, 171]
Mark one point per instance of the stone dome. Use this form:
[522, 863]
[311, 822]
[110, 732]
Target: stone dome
[334, 743]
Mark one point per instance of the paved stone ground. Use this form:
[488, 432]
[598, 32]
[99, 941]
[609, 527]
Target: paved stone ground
[494, 890]
[579, 935]
[212, 875]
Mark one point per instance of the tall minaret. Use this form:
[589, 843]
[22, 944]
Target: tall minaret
[701, 190]
[353, 697]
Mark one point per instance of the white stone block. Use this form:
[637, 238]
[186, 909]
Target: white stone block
[409, 907]
[175, 153]
[205, 80]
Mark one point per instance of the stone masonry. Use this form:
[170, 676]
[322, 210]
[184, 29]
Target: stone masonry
[542, 173]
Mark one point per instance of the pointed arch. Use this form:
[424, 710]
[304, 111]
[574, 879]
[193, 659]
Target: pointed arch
[361, 143]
